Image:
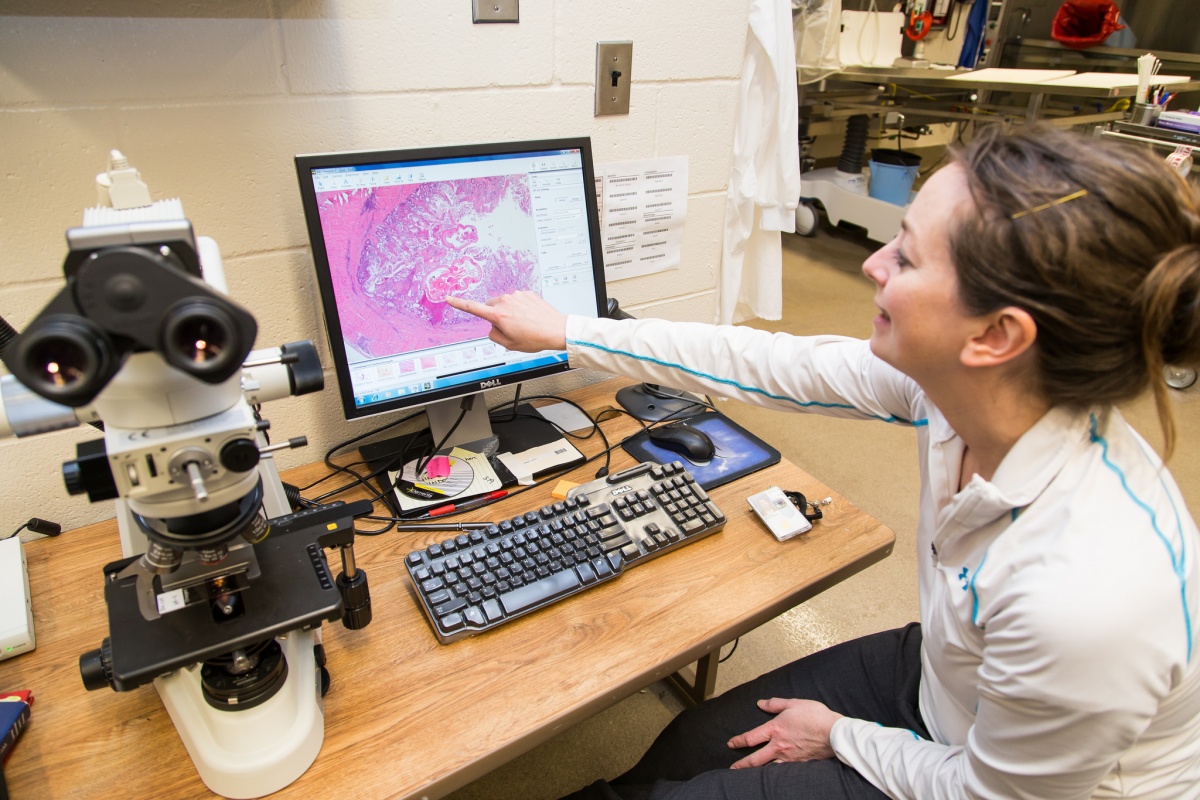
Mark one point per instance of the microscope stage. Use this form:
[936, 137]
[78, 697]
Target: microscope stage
[295, 590]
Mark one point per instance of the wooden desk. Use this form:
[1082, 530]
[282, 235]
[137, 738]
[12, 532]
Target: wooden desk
[406, 716]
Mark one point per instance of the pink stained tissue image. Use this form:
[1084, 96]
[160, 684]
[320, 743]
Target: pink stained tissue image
[397, 252]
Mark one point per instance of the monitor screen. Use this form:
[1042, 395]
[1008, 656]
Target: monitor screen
[396, 232]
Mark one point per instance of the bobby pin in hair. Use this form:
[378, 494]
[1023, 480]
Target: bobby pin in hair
[1065, 198]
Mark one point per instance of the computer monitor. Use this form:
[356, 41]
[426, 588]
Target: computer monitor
[396, 232]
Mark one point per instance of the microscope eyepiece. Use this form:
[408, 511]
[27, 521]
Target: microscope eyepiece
[64, 359]
[202, 339]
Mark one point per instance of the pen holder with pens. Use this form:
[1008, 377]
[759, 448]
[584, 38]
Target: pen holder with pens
[1145, 114]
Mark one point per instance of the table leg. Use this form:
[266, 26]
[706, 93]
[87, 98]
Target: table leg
[695, 691]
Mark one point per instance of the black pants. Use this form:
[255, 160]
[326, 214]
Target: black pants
[875, 678]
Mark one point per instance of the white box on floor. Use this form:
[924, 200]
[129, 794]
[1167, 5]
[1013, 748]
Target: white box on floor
[16, 610]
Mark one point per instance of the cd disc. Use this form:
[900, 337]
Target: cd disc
[460, 476]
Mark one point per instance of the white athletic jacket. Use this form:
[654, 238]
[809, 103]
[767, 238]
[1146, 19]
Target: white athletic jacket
[1059, 601]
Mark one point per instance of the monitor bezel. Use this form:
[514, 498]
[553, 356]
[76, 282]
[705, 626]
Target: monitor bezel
[305, 163]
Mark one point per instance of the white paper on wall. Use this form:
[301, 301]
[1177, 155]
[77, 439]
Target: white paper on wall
[643, 206]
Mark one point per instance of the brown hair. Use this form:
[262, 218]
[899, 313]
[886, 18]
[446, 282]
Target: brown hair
[1111, 276]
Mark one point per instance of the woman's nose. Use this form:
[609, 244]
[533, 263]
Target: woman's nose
[875, 267]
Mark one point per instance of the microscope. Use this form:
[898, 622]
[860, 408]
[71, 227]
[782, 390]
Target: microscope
[222, 588]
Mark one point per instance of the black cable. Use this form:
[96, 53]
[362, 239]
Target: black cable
[292, 492]
[731, 652]
[7, 334]
[336, 469]
[37, 525]
[595, 424]
[464, 407]
[553, 476]
[950, 34]
[515, 403]
[810, 510]
[380, 494]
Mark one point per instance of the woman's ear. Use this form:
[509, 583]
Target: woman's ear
[1006, 334]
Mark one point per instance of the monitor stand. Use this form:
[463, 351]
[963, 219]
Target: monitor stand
[473, 433]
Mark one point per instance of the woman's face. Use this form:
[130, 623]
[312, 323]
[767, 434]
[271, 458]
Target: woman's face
[922, 327]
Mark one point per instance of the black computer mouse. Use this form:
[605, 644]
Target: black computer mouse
[685, 440]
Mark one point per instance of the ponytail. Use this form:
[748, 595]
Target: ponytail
[1169, 298]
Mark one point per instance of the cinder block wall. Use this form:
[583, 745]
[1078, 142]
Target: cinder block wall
[211, 101]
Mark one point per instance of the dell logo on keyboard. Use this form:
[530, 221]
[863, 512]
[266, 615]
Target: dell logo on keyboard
[620, 490]
[492, 384]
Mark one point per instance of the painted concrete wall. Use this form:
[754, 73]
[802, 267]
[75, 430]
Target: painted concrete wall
[211, 101]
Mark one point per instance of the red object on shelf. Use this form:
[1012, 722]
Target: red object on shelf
[919, 25]
[1083, 23]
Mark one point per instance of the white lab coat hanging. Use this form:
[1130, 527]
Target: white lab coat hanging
[764, 184]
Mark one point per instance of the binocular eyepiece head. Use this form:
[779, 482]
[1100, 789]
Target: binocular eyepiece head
[125, 299]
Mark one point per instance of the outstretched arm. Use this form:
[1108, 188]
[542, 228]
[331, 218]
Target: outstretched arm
[520, 321]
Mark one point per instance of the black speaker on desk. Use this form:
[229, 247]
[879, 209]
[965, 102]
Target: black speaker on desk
[651, 402]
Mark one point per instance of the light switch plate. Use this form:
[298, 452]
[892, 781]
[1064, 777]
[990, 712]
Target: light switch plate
[614, 73]
[495, 11]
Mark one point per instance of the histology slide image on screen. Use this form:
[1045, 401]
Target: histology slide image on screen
[397, 252]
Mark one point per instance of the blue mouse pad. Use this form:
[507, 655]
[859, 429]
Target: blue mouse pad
[738, 451]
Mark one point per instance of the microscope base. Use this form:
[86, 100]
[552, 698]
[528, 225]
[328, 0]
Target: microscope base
[260, 750]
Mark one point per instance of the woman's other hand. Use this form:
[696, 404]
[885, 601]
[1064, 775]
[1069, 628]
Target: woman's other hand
[799, 732]
[520, 321]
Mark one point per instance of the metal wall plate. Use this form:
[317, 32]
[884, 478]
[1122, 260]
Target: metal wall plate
[614, 74]
[495, 11]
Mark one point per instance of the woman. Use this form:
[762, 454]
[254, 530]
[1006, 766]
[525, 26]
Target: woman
[1037, 281]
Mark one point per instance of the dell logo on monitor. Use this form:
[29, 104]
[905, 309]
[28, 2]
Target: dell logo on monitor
[492, 384]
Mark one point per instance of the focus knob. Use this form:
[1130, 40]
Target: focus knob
[239, 455]
[95, 667]
[356, 600]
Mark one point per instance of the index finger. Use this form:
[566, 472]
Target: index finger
[481, 310]
[751, 738]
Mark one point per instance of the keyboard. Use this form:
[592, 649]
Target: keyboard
[480, 580]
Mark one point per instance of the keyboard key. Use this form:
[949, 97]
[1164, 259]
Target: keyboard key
[449, 606]
[532, 594]
[617, 542]
[491, 609]
[452, 622]
[586, 573]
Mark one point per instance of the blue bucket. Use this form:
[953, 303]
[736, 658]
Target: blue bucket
[892, 175]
